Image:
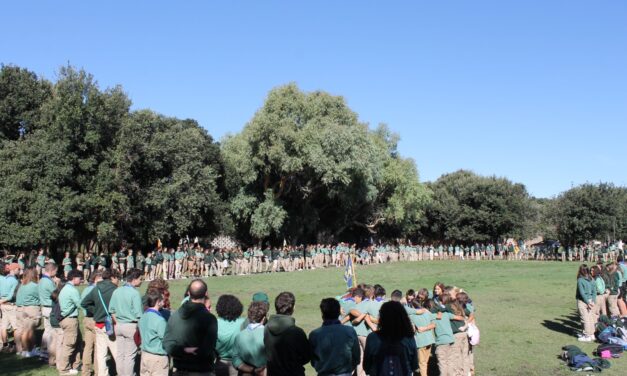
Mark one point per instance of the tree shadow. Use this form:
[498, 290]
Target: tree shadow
[14, 366]
[568, 324]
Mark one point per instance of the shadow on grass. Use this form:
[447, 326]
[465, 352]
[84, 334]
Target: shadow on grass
[567, 324]
[14, 366]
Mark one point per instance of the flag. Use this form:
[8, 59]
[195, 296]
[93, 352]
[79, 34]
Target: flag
[158, 243]
[349, 273]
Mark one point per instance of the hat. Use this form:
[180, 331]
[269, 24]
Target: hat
[13, 266]
[261, 297]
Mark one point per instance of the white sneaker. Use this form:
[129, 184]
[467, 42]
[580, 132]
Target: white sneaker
[35, 352]
[71, 372]
[585, 339]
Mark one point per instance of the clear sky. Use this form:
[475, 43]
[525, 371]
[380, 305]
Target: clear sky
[535, 91]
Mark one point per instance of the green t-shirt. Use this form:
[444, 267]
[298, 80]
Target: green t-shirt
[152, 330]
[46, 287]
[126, 304]
[227, 331]
[28, 295]
[362, 328]
[443, 329]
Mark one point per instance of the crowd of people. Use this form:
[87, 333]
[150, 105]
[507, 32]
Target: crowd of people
[601, 290]
[195, 261]
[363, 332]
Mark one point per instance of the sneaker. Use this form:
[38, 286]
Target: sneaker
[71, 372]
[26, 354]
[35, 352]
[585, 339]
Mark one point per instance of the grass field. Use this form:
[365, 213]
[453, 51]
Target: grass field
[525, 310]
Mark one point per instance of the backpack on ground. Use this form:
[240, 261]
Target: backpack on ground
[606, 333]
[615, 350]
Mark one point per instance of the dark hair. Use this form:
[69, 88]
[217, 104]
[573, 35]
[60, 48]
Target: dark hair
[94, 275]
[30, 275]
[358, 292]
[379, 291]
[463, 299]
[197, 289]
[330, 309]
[257, 312]
[409, 292]
[109, 273]
[229, 307]
[583, 272]
[394, 323]
[284, 303]
[74, 274]
[133, 274]
[397, 295]
[152, 297]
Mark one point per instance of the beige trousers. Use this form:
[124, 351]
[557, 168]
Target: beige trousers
[126, 348]
[89, 332]
[154, 365]
[612, 302]
[588, 318]
[360, 371]
[70, 345]
[104, 344]
[424, 353]
[445, 354]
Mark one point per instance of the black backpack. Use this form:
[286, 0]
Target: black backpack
[55, 315]
[615, 350]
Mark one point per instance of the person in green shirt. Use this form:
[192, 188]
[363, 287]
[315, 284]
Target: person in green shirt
[7, 303]
[249, 354]
[586, 296]
[89, 327]
[67, 264]
[28, 312]
[335, 347]
[424, 325]
[69, 302]
[229, 310]
[152, 326]
[41, 261]
[126, 309]
[47, 284]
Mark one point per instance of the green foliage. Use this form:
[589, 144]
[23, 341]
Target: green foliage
[591, 212]
[471, 208]
[305, 168]
[21, 97]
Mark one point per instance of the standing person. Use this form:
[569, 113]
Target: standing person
[67, 264]
[41, 261]
[392, 349]
[614, 281]
[7, 303]
[249, 352]
[358, 312]
[28, 311]
[96, 303]
[229, 310]
[152, 325]
[586, 296]
[191, 334]
[601, 300]
[47, 284]
[130, 261]
[89, 329]
[424, 325]
[287, 347]
[335, 346]
[69, 302]
[126, 309]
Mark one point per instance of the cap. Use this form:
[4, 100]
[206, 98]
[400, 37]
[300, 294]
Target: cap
[13, 266]
[261, 297]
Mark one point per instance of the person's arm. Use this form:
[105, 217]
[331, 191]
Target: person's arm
[422, 329]
[370, 321]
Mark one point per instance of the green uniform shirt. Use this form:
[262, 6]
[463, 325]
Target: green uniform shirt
[69, 301]
[8, 287]
[227, 331]
[41, 261]
[126, 304]
[27, 295]
[152, 330]
[443, 330]
[86, 292]
[248, 347]
[335, 349]
[425, 338]
[46, 287]
[362, 328]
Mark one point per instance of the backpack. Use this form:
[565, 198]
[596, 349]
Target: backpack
[473, 334]
[615, 350]
[606, 333]
[391, 360]
[55, 315]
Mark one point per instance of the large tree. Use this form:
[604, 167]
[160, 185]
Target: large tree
[591, 212]
[470, 208]
[306, 169]
[22, 94]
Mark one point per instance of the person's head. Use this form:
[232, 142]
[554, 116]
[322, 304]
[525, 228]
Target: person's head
[95, 277]
[134, 277]
[369, 292]
[229, 307]
[67, 254]
[284, 303]
[583, 271]
[358, 295]
[611, 269]
[422, 294]
[438, 289]
[330, 309]
[257, 312]
[50, 269]
[454, 291]
[463, 299]
[29, 275]
[198, 291]
[75, 277]
[397, 296]
[379, 291]
[410, 295]
[154, 299]
[394, 323]
[14, 269]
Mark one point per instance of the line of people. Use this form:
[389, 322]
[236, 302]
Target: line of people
[601, 290]
[362, 332]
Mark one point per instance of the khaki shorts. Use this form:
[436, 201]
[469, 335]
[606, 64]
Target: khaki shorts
[29, 317]
[9, 317]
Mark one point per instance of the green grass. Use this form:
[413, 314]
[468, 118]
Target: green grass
[525, 310]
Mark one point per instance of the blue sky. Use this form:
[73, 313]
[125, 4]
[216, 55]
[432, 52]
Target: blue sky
[535, 91]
